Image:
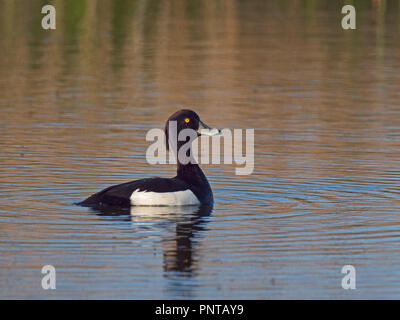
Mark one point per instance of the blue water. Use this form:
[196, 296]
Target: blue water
[75, 106]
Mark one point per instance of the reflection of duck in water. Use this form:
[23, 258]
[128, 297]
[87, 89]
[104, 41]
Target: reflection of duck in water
[189, 187]
[178, 250]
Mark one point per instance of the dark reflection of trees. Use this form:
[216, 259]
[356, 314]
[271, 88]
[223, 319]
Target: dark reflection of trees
[178, 249]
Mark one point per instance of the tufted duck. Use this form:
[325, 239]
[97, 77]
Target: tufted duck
[189, 187]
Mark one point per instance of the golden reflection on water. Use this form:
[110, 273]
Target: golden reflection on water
[76, 103]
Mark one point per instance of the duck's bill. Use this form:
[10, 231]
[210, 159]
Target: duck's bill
[205, 130]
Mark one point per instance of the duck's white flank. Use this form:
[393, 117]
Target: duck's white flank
[177, 198]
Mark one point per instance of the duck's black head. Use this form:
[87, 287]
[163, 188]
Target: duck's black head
[187, 119]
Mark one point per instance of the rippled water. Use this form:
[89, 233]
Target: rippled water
[75, 106]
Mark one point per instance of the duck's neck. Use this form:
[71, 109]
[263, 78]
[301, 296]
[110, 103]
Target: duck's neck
[195, 178]
[192, 173]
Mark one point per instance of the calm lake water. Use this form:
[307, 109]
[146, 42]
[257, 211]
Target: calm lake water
[77, 102]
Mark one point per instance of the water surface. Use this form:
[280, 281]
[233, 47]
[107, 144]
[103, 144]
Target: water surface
[75, 106]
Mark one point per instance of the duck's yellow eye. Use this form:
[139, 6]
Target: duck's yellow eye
[187, 120]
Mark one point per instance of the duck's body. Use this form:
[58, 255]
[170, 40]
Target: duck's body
[189, 187]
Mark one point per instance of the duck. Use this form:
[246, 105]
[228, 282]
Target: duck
[189, 187]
